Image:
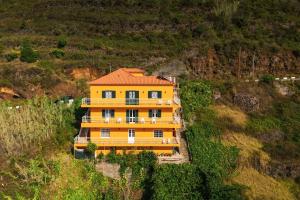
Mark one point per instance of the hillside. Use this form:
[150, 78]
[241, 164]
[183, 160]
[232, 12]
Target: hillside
[243, 137]
[210, 39]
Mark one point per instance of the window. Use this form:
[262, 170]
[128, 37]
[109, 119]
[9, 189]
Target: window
[108, 113]
[158, 133]
[105, 133]
[108, 94]
[154, 94]
[132, 97]
[154, 113]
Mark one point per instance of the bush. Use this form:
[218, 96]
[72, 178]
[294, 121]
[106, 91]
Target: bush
[27, 53]
[62, 42]
[147, 159]
[195, 95]
[178, 182]
[57, 53]
[11, 56]
[91, 148]
[199, 30]
[267, 78]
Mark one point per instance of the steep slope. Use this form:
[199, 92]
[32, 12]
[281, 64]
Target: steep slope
[213, 39]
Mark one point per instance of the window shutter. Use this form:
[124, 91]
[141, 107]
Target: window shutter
[150, 113]
[113, 94]
[103, 113]
[103, 94]
[137, 116]
[158, 113]
[149, 94]
[127, 115]
[112, 113]
[137, 94]
[127, 94]
[159, 94]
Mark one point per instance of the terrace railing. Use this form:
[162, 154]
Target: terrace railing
[136, 120]
[120, 141]
[136, 101]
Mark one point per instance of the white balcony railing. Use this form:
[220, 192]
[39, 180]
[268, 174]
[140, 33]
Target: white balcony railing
[138, 101]
[137, 120]
[120, 141]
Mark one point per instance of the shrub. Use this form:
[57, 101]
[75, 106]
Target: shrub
[57, 53]
[11, 56]
[62, 42]
[178, 182]
[147, 159]
[199, 30]
[195, 95]
[267, 78]
[112, 157]
[91, 148]
[27, 53]
[97, 44]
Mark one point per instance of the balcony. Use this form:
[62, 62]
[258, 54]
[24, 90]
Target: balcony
[114, 102]
[145, 141]
[140, 122]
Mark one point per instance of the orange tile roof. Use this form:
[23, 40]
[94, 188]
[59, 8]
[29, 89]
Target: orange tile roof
[122, 76]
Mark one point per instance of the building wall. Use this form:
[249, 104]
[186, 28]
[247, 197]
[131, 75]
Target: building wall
[135, 150]
[142, 112]
[167, 91]
[167, 94]
[123, 133]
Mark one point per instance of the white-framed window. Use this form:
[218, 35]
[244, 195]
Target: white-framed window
[107, 113]
[154, 95]
[154, 113]
[158, 134]
[105, 133]
[108, 94]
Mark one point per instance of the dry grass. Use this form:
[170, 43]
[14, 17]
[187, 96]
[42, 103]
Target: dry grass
[237, 116]
[30, 125]
[262, 186]
[248, 147]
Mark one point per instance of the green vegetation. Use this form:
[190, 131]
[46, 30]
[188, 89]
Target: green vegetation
[11, 56]
[91, 148]
[27, 53]
[128, 33]
[57, 53]
[195, 95]
[62, 42]
[219, 34]
[212, 162]
[179, 182]
[267, 78]
[35, 122]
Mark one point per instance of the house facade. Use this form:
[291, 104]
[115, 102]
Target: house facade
[131, 112]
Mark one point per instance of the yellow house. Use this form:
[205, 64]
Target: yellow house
[131, 112]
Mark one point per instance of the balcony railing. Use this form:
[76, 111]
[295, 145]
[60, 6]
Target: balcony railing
[127, 120]
[136, 101]
[120, 141]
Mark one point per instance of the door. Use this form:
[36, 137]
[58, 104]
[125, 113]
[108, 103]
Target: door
[132, 116]
[131, 136]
